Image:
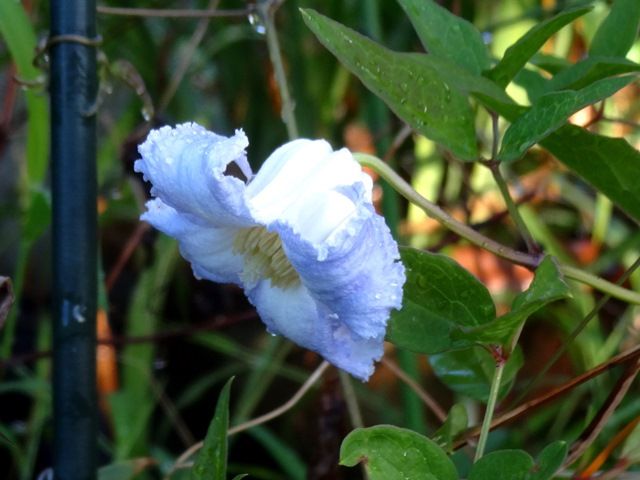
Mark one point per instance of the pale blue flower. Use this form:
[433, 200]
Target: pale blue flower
[301, 236]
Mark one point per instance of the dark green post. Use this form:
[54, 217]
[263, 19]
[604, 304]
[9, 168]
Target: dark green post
[73, 153]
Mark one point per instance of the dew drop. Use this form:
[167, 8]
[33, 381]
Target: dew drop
[256, 22]
[147, 113]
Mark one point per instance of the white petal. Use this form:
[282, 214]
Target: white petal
[295, 314]
[208, 249]
[356, 274]
[298, 179]
[186, 166]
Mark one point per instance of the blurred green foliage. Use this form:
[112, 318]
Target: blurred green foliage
[171, 342]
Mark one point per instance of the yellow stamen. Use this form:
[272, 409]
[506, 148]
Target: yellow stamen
[264, 257]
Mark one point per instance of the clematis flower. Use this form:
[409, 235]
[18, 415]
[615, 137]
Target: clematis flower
[301, 236]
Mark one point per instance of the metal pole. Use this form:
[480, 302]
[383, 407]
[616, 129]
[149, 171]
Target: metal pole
[73, 150]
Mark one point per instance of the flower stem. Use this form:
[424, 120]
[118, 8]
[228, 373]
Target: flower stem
[491, 405]
[528, 260]
[266, 12]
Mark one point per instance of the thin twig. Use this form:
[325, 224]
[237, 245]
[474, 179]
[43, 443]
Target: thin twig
[428, 400]
[398, 140]
[622, 121]
[173, 13]
[186, 57]
[351, 400]
[266, 10]
[128, 250]
[353, 408]
[597, 424]
[313, 378]
[306, 386]
[631, 355]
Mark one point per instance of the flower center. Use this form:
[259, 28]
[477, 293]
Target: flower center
[264, 258]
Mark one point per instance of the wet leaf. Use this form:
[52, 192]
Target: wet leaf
[446, 35]
[412, 85]
[390, 452]
[439, 297]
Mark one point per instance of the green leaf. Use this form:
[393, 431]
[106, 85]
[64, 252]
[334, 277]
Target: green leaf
[618, 31]
[390, 452]
[525, 47]
[631, 448]
[457, 422]
[549, 63]
[20, 39]
[548, 286]
[503, 465]
[533, 82]
[212, 458]
[549, 461]
[38, 216]
[282, 452]
[446, 35]
[550, 112]
[410, 84]
[125, 470]
[470, 371]
[611, 165]
[591, 70]
[439, 297]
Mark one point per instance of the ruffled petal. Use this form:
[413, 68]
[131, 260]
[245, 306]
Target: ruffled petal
[356, 274]
[295, 314]
[186, 166]
[208, 249]
[297, 178]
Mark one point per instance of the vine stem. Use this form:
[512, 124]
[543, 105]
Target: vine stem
[529, 260]
[266, 11]
[512, 207]
[494, 166]
[491, 405]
